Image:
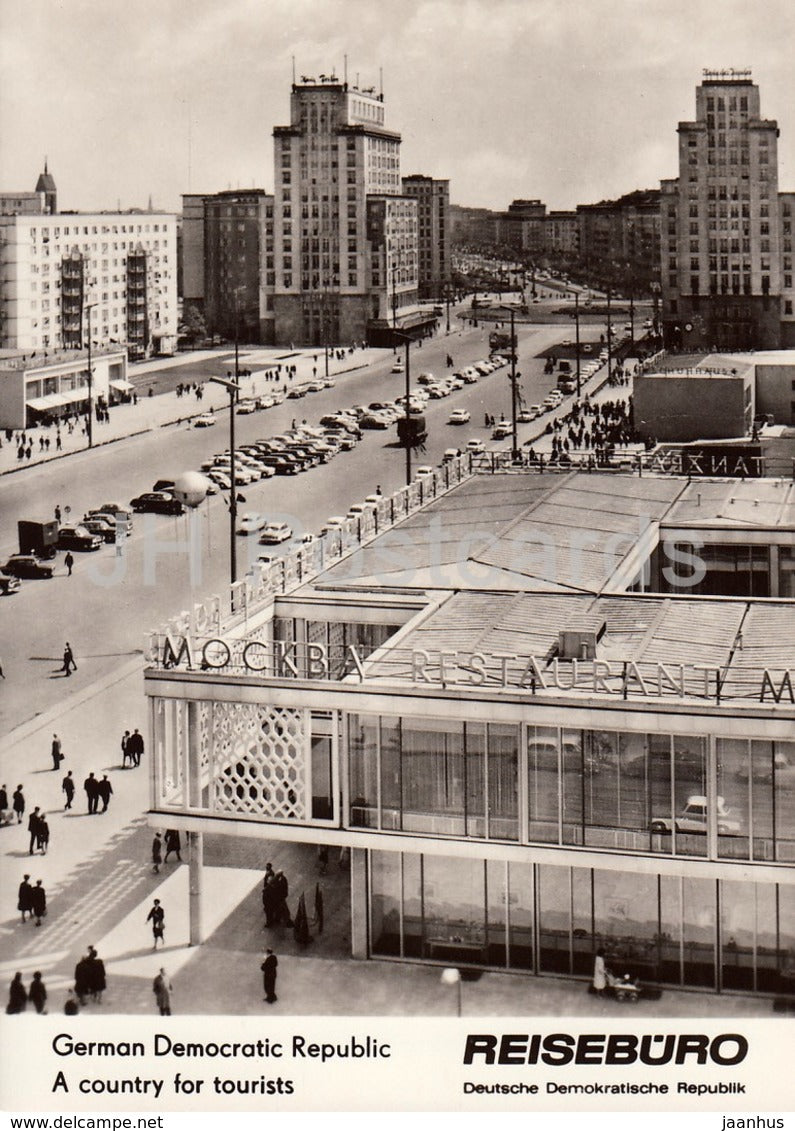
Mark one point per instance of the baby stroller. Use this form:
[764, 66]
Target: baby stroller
[622, 988]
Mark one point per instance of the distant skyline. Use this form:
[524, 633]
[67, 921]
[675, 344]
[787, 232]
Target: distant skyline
[555, 99]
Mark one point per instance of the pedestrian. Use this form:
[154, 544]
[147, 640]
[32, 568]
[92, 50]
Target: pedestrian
[2, 673]
[135, 747]
[17, 997]
[56, 752]
[33, 829]
[157, 916]
[3, 804]
[91, 786]
[43, 834]
[104, 791]
[269, 968]
[599, 973]
[58, 515]
[97, 982]
[18, 801]
[157, 853]
[280, 892]
[68, 787]
[161, 987]
[173, 844]
[37, 993]
[71, 1007]
[83, 979]
[24, 900]
[125, 753]
[69, 563]
[38, 900]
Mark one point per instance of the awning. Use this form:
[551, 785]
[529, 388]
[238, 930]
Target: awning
[121, 386]
[43, 404]
[72, 396]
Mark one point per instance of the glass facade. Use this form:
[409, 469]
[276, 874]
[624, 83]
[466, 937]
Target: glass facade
[675, 795]
[551, 919]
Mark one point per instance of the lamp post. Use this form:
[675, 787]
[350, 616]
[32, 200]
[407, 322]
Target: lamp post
[452, 977]
[88, 307]
[515, 438]
[577, 336]
[232, 388]
[407, 415]
[609, 338]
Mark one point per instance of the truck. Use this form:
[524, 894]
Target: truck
[501, 341]
[39, 538]
[411, 430]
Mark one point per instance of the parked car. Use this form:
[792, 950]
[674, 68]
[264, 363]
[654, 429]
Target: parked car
[336, 523]
[275, 532]
[423, 472]
[77, 538]
[157, 502]
[526, 415]
[206, 420]
[459, 416]
[694, 816]
[374, 420]
[115, 509]
[8, 585]
[246, 407]
[102, 529]
[397, 367]
[476, 446]
[502, 430]
[27, 565]
[251, 523]
[450, 454]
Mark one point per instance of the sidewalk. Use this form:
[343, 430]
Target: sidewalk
[159, 411]
[100, 886]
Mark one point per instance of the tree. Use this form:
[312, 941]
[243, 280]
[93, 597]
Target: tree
[193, 326]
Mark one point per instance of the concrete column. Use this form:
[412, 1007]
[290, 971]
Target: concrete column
[358, 903]
[773, 562]
[196, 861]
[195, 840]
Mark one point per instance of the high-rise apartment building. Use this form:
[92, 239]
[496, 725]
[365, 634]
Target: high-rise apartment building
[433, 232]
[226, 252]
[722, 225]
[121, 265]
[344, 249]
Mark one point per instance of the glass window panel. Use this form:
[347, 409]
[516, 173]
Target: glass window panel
[554, 916]
[542, 783]
[390, 774]
[432, 774]
[761, 790]
[363, 759]
[738, 931]
[573, 756]
[658, 771]
[615, 791]
[784, 797]
[520, 912]
[454, 904]
[626, 923]
[770, 956]
[475, 745]
[496, 895]
[385, 902]
[503, 783]
[670, 936]
[322, 802]
[412, 905]
[698, 924]
[690, 795]
[581, 920]
[734, 776]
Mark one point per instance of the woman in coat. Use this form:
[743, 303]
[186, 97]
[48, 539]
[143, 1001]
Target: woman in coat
[38, 900]
[37, 993]
[17, 998]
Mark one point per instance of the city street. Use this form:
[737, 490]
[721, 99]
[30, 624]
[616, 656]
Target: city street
[120, 603]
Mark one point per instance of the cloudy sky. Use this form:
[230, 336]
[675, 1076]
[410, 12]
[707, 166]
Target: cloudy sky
[566, 100]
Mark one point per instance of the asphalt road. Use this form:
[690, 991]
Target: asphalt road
[104, 609]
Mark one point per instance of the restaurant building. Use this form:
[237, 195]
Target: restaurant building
[500, 694]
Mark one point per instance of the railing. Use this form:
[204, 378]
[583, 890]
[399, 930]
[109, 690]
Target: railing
[267, 580]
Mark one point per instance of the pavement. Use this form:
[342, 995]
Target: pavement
[100, 886]
[155, 412]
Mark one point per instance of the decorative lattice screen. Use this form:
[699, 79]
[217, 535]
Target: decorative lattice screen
[260, 760]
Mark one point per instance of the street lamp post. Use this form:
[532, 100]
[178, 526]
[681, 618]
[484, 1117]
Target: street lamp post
[232, 388]
[577, 336]
[609, 337]
[407, 415]
[515, 438]
[88, 308]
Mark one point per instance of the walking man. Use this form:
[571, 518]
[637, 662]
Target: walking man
[38, 902]
[57, 756]
[104, 791]
[158, 919]
[37, 994]
[135, 747]
[173, 844]
[68, 787]
[69, 563]
[161, 988]
[125, 753]
[68, 660]
[18, 801]
[268, 968]
[91, 786]
[43, 834]
[33, 829]
[157, 853]
[24, 898]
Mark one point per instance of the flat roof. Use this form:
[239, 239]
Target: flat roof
[753, 503]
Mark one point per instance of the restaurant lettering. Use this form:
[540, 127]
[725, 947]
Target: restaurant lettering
[283, 659]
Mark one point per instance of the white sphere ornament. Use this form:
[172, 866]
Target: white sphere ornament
[190, 488]
[450, 976]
